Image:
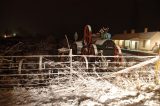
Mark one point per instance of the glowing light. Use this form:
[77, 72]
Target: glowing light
[14, 34]
[5, 36]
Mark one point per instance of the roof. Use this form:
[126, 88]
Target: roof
[134, 36]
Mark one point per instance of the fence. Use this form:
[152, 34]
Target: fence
[42, 70]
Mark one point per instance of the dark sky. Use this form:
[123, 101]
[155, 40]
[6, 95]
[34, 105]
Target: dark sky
[68, 16]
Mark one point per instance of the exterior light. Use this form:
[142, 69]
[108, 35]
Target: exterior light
[5, 36]
[14, 34]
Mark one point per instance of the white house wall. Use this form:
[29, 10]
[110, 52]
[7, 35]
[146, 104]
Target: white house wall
[130, 44]
[116, 42]
[127, 44]
[155, 39]
[121, 43]
[147, 45]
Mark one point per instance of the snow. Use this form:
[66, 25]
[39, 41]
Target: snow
[88, 93]
[84, 90]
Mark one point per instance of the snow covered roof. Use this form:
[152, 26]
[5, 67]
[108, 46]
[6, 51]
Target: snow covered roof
[134, 36]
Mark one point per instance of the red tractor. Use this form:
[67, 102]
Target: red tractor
[93, 45]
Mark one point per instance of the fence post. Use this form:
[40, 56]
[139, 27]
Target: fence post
[40, 62]
[20, 66]
[70, 56]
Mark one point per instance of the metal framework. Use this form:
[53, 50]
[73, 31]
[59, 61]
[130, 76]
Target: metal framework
[42, 70]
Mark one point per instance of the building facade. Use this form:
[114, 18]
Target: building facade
[146, 41]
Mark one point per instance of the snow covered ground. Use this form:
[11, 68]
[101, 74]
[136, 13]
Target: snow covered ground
[133, 88]
[89, 91]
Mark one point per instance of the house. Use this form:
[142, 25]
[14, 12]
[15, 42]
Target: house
[145, 41]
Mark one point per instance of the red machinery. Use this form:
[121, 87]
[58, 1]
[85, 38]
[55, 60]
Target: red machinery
[105, 47]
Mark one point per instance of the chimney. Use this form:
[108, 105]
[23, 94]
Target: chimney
[125, 32]
[145, 30]
[132, 31]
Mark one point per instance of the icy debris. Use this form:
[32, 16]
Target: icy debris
[94, 93]
[90, 103]
[157, 88]
[117, 95]
[151, 103]
[86, 90]
[147, 87]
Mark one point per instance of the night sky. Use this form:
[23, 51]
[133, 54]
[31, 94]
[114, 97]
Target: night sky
[68, 16]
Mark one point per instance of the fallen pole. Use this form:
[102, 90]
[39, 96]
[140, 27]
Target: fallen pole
[127, 70]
